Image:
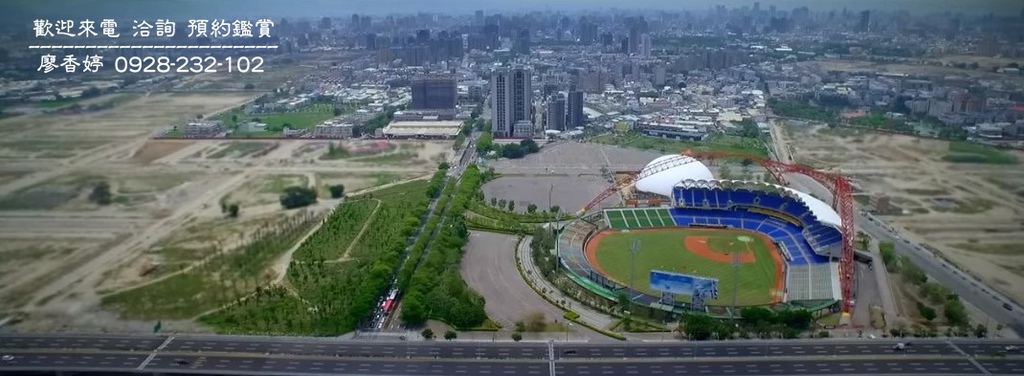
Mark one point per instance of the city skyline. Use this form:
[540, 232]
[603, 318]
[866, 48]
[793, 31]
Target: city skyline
[22, 9]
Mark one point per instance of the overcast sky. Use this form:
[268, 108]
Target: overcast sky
[275, 9]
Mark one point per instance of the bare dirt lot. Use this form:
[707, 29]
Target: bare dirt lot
[64, 246]
[972, 213]
[577, 171]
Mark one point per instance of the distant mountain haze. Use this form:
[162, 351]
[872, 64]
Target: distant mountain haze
[17, 11]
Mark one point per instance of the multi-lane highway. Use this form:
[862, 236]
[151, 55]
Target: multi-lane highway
[495, 350]
[267, 355]
[228, 364]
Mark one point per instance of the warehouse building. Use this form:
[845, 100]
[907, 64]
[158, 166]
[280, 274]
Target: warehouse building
[423, 129]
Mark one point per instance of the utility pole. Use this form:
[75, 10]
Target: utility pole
[551, 190]
[634, 248]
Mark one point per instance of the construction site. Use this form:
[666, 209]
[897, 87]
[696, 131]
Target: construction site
[971, 214]
[90, 205]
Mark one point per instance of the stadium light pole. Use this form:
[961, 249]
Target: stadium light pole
[550, 191]
[634, 248]
[735, 283]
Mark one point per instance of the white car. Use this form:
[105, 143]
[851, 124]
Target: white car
[7, 357]
[1011, 348]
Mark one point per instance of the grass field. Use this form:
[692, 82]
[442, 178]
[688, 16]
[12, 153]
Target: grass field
[758, 276]
[718, 142]
[969, 152]
[306, 118]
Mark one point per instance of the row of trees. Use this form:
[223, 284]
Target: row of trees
[436, 289]
[467, 129]
[953, 309]
[429, 229]
[541, 244]
[759, 321]
[336, 296]
[505, 209]
[428, 334]
[337, 232]
[437, 181]
[485, 145]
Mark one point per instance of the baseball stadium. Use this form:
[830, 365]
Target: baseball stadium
[761, 244]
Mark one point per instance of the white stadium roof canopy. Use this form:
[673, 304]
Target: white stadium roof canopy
[667, 171]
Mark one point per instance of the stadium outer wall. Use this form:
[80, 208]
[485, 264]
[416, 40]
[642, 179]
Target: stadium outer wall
[571, 245]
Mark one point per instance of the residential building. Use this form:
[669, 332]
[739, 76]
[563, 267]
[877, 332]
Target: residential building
[434, 92]
[331, 129]
[645, 45]
[556, 118]
[574, 111]
[511, 101]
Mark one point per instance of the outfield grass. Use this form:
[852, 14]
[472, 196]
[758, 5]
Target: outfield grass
[664, 250]
[969, 152]
[718, 142]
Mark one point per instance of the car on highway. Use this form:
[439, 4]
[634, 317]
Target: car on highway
[1011, 348]
[181, 362]
[900, 346]
[1008, 306]
[7, 357]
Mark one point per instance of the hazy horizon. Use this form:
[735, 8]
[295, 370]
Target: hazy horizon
[275, 9]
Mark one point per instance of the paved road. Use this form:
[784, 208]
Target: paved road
[233, 364]
[731, 349]
[971, 290]
[489, 266]
[968, 288]
[83, 342]
[491, 350]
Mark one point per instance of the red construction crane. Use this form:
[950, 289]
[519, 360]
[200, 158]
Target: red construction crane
[842, 201]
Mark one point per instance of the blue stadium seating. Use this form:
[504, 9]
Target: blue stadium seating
[703, 206]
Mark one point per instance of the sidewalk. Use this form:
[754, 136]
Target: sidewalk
[533, 277]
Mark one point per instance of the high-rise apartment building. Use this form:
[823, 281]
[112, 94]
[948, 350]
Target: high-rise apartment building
[511, 102]
[658, 75]
[864, 23]
[556, 112]
[645, 45]
[433, 92]
[587, 31]
[574, 116]
[522, 42]
[637, 27]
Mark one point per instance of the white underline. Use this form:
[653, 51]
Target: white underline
[148, 47]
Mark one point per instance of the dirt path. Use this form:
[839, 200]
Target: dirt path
[66, 169]
[82, 278]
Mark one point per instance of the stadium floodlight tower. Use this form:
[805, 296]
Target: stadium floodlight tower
[735, 283]
[634, 249]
